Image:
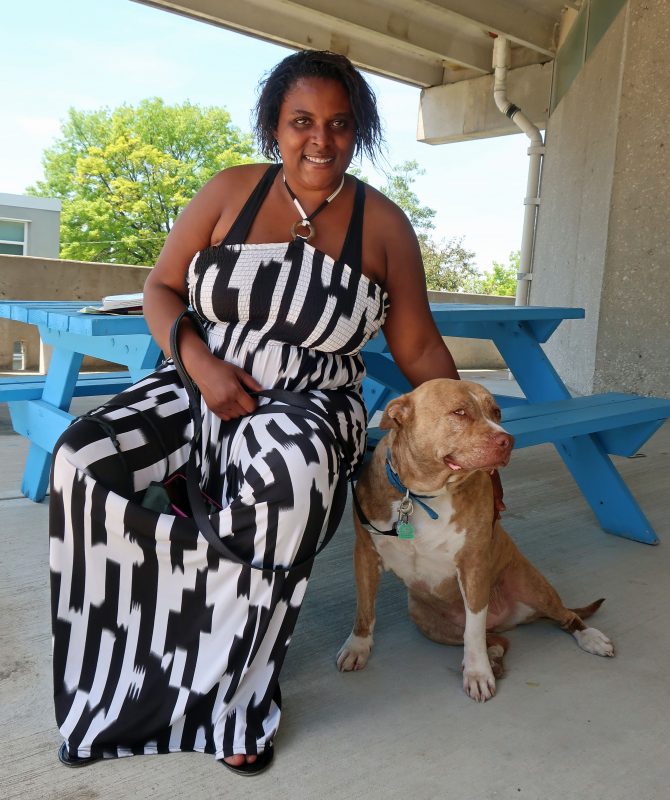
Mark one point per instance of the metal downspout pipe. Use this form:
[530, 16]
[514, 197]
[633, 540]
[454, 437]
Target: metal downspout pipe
[501, 63]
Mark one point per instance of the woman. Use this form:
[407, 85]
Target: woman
[159, 644]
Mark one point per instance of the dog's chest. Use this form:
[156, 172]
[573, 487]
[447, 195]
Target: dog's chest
[428, 558]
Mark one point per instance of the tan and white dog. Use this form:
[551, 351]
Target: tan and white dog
[466, 579]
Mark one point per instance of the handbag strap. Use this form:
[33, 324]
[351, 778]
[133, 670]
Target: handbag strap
[293, 403]
[108, 428]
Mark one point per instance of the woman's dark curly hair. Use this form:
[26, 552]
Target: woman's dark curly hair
[317, 64]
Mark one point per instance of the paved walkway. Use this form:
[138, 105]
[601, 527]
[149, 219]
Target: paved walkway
[565, 725]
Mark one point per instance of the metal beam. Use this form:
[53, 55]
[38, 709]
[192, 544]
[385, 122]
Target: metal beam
[394, 26]
[508, 18]
[284, 23]
[420, 42]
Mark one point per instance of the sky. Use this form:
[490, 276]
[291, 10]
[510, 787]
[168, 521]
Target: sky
[90, 54]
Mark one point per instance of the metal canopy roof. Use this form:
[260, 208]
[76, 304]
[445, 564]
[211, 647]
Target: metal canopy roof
[419, 42]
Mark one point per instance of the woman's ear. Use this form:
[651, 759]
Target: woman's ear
[396, 412]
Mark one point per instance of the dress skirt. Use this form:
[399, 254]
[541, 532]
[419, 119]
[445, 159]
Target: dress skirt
[160, 644]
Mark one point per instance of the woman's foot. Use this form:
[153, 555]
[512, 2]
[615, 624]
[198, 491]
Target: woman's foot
[252, 764]
[74, 761]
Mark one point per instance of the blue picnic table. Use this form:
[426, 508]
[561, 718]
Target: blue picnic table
[585, 430]
[39, 409]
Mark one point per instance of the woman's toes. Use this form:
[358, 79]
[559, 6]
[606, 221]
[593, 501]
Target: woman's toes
[239, 759]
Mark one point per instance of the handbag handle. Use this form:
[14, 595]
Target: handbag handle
[294, 404]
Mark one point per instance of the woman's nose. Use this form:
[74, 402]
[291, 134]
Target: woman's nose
[321, 134]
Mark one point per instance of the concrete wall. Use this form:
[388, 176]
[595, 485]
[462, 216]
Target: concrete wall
[603, 240]
[634, 342]
[26, 278]
[472, 353]
[43, 217]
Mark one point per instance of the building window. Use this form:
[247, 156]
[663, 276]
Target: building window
[13, 237]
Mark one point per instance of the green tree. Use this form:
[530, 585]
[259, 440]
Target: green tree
[398, 188]
[448, 265]
[502, 279]
[124, 175]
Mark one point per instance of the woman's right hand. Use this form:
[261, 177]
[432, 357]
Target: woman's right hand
[225, 389]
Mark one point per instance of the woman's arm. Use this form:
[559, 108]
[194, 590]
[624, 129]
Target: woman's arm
[224, 386]
[413, 338]
[415, 343]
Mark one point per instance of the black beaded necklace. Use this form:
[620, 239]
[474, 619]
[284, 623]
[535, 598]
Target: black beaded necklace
[306, 221]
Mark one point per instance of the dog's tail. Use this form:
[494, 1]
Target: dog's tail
[587, 611]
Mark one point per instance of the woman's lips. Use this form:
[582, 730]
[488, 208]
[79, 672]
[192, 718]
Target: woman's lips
[319, 159]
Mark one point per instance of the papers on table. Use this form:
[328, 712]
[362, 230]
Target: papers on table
[117, 304]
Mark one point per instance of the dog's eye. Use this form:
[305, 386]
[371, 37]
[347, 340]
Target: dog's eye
[460, 412]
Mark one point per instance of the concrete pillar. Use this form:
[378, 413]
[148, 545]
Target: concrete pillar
[603, 237]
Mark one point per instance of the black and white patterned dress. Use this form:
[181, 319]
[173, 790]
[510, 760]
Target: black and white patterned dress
[159, 644]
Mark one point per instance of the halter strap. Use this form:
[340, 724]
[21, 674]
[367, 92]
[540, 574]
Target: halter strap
[352, 249]
[242, 225]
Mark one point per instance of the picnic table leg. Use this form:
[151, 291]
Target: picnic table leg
[613, 504]
[604, 489]
[58, 389]
[144, 359]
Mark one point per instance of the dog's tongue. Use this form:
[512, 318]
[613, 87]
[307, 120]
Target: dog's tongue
[453, 466]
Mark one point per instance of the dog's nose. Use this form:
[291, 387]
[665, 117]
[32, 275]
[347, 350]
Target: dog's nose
[503, 440]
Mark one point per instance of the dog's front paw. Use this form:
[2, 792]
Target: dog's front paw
[354, 653]
[479, 684]
[594, 641]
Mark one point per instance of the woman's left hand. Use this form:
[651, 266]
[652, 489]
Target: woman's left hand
[498, 503]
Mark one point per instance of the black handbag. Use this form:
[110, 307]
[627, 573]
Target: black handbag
[180, 493]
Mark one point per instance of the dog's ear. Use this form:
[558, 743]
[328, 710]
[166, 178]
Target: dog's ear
[396, 413]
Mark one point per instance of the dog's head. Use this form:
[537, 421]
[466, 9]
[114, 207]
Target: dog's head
[449, 423]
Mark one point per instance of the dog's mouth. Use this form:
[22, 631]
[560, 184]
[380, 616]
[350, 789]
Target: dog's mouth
[455, 467]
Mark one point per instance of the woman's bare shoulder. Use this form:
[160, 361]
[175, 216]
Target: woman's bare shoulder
[386, 220]
[383, 209]
[241, 178]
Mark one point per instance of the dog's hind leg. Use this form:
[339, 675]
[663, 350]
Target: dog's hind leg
[529, 587]
[496, 647]
[590, 639]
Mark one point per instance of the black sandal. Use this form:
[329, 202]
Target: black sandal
[261, 763]
[75, 761]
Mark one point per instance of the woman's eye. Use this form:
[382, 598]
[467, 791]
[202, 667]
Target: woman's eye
[339, 123]
[301, 121]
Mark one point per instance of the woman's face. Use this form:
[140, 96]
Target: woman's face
[316, 133]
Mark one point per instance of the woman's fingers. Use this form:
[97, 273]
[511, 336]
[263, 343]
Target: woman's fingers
[498, 502]
[243, 398]
[248, 380]
[227, 392]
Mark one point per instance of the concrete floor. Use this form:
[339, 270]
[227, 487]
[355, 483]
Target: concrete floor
[564, 724]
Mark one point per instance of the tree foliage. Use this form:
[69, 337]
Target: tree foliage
[448, 265]
[124, 175]
[502, 279]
